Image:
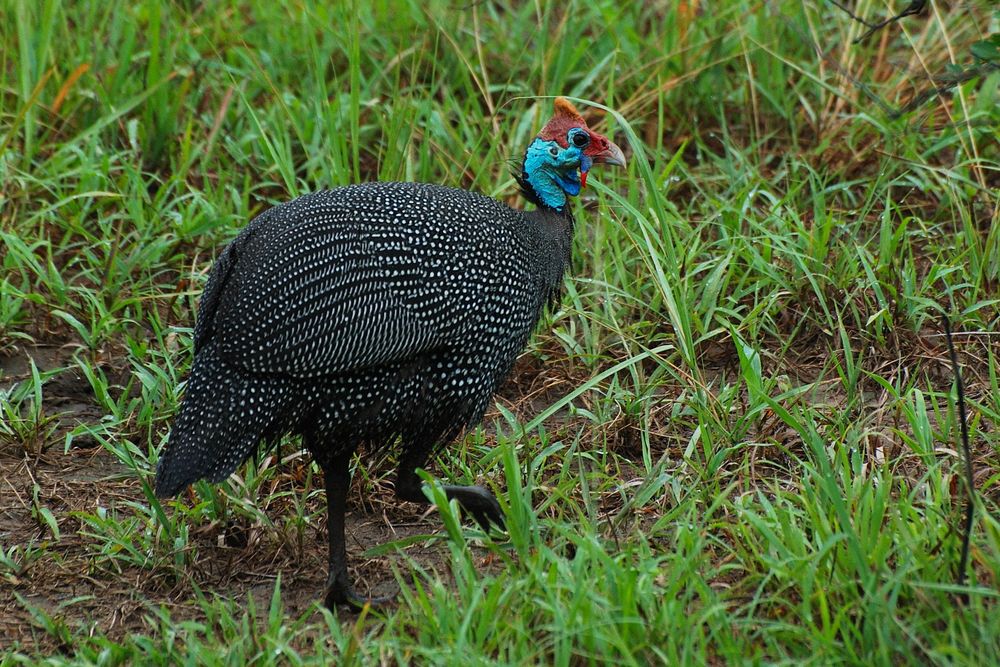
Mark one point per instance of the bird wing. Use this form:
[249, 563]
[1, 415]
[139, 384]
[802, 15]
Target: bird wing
[214, 288]
[320, 293]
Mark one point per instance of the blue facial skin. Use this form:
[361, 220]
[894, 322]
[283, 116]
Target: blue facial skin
[554, 171]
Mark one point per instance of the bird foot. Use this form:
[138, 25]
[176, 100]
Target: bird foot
[340, 593]
[478, 502]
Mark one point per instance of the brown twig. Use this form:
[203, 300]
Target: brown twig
[915, 7]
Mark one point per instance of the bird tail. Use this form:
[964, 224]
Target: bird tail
[222, 420]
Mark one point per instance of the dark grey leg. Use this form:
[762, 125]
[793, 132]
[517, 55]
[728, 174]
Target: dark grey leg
[339, 589]
[475, 500]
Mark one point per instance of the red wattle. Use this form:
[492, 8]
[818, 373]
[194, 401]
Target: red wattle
[583, 179]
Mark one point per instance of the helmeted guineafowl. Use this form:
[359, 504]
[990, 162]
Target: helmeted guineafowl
[376, 312]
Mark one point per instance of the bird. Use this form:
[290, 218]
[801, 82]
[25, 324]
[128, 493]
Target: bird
[376, 314]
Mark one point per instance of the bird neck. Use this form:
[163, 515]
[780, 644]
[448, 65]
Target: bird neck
[550, 194]
[552, 235]
[547, 182]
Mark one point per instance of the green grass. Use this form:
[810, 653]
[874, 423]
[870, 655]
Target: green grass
[734, 442]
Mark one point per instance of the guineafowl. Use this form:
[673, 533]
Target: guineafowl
[374, 314]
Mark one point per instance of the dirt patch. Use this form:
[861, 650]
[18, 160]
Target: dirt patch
[61, 570]
[67, 398]
[75, 582]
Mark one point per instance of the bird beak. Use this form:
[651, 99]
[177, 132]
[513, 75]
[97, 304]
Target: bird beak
[601, 151]
[609, 154]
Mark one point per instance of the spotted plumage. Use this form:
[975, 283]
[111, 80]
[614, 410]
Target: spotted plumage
[369, 314]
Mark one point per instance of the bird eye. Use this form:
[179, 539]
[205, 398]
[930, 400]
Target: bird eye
[580, 139]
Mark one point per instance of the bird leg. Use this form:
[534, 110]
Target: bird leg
[474, 500]
[339, 589]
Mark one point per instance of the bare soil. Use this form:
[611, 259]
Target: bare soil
[69, 583]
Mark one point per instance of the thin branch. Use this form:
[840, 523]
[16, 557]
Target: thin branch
[970, 506]
[915, 7]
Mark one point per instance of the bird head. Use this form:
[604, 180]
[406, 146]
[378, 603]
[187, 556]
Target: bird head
[557, 161]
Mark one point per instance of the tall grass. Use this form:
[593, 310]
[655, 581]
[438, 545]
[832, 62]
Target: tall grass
[734, 441]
